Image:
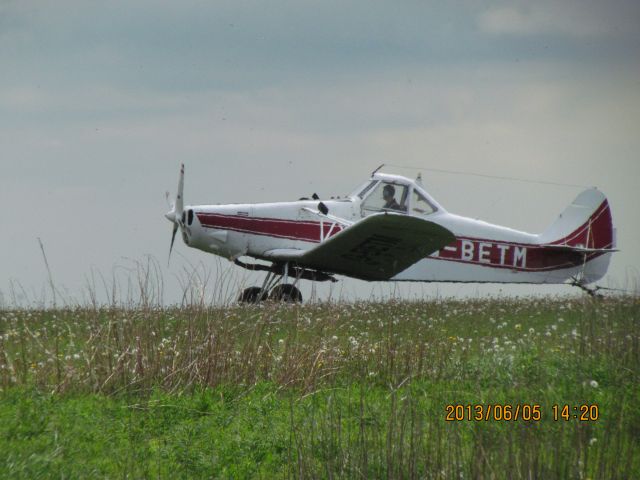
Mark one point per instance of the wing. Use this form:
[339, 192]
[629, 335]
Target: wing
[376, 248]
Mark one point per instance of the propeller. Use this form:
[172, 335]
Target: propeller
[175, 214]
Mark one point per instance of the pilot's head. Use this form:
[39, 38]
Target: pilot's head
[388, 192]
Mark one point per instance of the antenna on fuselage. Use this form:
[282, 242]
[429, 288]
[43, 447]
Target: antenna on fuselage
[376, 170]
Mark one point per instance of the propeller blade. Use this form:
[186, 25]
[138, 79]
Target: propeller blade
[173, 238]
[176, 210]
[179, 205]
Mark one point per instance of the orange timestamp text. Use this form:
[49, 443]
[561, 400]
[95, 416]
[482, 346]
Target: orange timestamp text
[493, 412]
[520, 411]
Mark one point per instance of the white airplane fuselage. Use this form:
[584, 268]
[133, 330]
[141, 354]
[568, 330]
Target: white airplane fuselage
[577, 245]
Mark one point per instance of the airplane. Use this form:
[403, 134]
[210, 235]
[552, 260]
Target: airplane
[391, 229]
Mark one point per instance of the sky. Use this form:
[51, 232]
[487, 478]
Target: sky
[270, 101]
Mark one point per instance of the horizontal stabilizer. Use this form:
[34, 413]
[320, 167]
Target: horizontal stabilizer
[578, 249]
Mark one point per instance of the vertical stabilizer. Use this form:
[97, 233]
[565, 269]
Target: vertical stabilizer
[585, 227]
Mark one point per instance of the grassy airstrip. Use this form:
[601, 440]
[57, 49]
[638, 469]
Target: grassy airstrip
[323, 390]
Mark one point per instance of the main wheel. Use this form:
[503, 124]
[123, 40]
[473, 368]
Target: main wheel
[285, 293]
[252, 295]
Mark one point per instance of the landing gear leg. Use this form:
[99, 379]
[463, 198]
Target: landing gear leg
[592, 292]
[275, 286]
[256, 294]
[286, 292]
[260, 294]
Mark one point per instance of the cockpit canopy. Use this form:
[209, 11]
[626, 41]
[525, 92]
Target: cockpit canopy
[395, 194]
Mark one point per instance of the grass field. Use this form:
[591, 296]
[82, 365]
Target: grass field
[323, 390]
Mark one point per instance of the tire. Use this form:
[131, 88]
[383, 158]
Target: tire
[252, 295]
[285, 293]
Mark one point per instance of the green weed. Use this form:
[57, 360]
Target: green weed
[323, 390]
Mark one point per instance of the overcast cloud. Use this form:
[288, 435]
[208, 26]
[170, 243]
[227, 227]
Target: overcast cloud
[268, 101]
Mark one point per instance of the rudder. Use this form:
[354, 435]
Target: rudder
[586, 225]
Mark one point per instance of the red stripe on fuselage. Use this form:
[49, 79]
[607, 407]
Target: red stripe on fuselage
[521, 257]
[272, 227]
[595, 232]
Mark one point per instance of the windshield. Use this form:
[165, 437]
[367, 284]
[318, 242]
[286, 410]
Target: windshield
[420, 205]
[368, 187]
[386, 196]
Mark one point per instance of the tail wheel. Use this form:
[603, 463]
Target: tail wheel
[252, 295]
[285, 293]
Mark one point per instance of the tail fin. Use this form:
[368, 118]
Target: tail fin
[585, 227]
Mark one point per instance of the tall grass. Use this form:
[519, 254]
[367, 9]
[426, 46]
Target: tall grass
[362, 387]
[312, 346]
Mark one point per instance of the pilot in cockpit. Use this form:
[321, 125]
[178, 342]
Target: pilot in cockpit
[388, 194]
